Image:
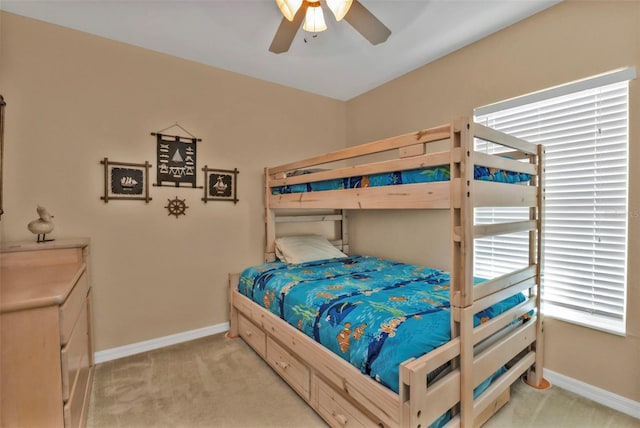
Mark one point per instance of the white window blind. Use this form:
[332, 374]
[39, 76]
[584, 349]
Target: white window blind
[585, 134]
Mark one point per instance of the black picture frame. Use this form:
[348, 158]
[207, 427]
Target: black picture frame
[220, 184]
[126, 181]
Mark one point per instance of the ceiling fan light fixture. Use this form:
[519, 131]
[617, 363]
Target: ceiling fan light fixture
[289, 7]
[339, 7]
[314, 19]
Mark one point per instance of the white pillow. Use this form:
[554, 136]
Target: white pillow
[306, 248]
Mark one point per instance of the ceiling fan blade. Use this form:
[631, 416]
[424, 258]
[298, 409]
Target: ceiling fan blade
[287, 31]
[367, 24]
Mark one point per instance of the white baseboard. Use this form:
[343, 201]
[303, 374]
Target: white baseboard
[160, 342]
[601, 396]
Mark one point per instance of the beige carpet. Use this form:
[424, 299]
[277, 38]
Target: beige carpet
[219, 382]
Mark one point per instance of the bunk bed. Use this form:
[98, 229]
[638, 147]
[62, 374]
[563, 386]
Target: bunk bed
[441, 386]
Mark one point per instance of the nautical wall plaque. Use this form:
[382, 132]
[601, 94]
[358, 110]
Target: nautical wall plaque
[177, 159]
[125, 180]
[176, 207]
[220, 185]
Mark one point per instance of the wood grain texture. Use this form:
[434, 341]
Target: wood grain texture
[474, 353]
[47, 353]
[424, 136]
[31, 376]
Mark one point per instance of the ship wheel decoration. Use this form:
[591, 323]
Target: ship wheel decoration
[177, 207]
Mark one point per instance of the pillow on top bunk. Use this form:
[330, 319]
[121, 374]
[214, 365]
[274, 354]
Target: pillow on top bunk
[306, 248]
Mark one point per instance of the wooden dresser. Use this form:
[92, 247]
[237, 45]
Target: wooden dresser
[46, 348]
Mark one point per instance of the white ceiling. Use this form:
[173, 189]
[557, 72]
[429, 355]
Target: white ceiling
[235, 35]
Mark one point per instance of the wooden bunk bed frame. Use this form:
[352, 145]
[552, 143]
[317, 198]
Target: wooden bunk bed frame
[336, 389]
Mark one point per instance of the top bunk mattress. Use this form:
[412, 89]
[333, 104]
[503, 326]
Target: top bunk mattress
[419, 175]
[373, 313]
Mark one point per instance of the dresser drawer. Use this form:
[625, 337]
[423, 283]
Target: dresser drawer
[338, 412]
[70, 309]
[74, 410]
[75, 354]
[290, 369]
[252, 335]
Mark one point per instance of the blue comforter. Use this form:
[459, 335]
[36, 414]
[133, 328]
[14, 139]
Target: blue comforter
[373, 313]
[419, 175]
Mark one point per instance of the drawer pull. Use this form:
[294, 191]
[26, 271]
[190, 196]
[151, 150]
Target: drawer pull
[248, 333]
[342, 419]
[282, 364]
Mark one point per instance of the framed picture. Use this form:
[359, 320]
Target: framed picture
[220, 185]
[124, 180]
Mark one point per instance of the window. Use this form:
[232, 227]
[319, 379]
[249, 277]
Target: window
[584, 127]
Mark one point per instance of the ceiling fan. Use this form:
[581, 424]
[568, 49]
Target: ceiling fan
[310, 11]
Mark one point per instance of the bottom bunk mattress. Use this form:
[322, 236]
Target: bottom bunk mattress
[373, 313]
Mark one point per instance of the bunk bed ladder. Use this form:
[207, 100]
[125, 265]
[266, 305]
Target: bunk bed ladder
[534, 376]
[462, 195]
[521, 345]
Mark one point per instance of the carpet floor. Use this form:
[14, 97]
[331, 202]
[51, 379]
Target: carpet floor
[219, 382]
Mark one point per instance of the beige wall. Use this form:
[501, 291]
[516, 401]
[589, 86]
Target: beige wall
[73, 99]
[570, 41]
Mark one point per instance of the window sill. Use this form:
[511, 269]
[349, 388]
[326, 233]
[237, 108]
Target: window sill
[593, 322]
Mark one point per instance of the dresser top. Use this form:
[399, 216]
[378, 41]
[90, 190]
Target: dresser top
[9, 247]
[35, 275]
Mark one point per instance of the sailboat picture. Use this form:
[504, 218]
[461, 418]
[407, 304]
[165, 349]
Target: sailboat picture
[176, 161]
[126, 181]
[220, 184]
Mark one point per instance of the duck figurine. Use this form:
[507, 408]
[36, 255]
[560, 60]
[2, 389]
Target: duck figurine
[41, 226]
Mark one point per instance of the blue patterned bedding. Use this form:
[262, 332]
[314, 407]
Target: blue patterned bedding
[420, 175]
[373, 313]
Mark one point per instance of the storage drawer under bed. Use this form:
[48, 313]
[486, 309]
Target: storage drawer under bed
[289, 368]
[252, 334]
[337, 410]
